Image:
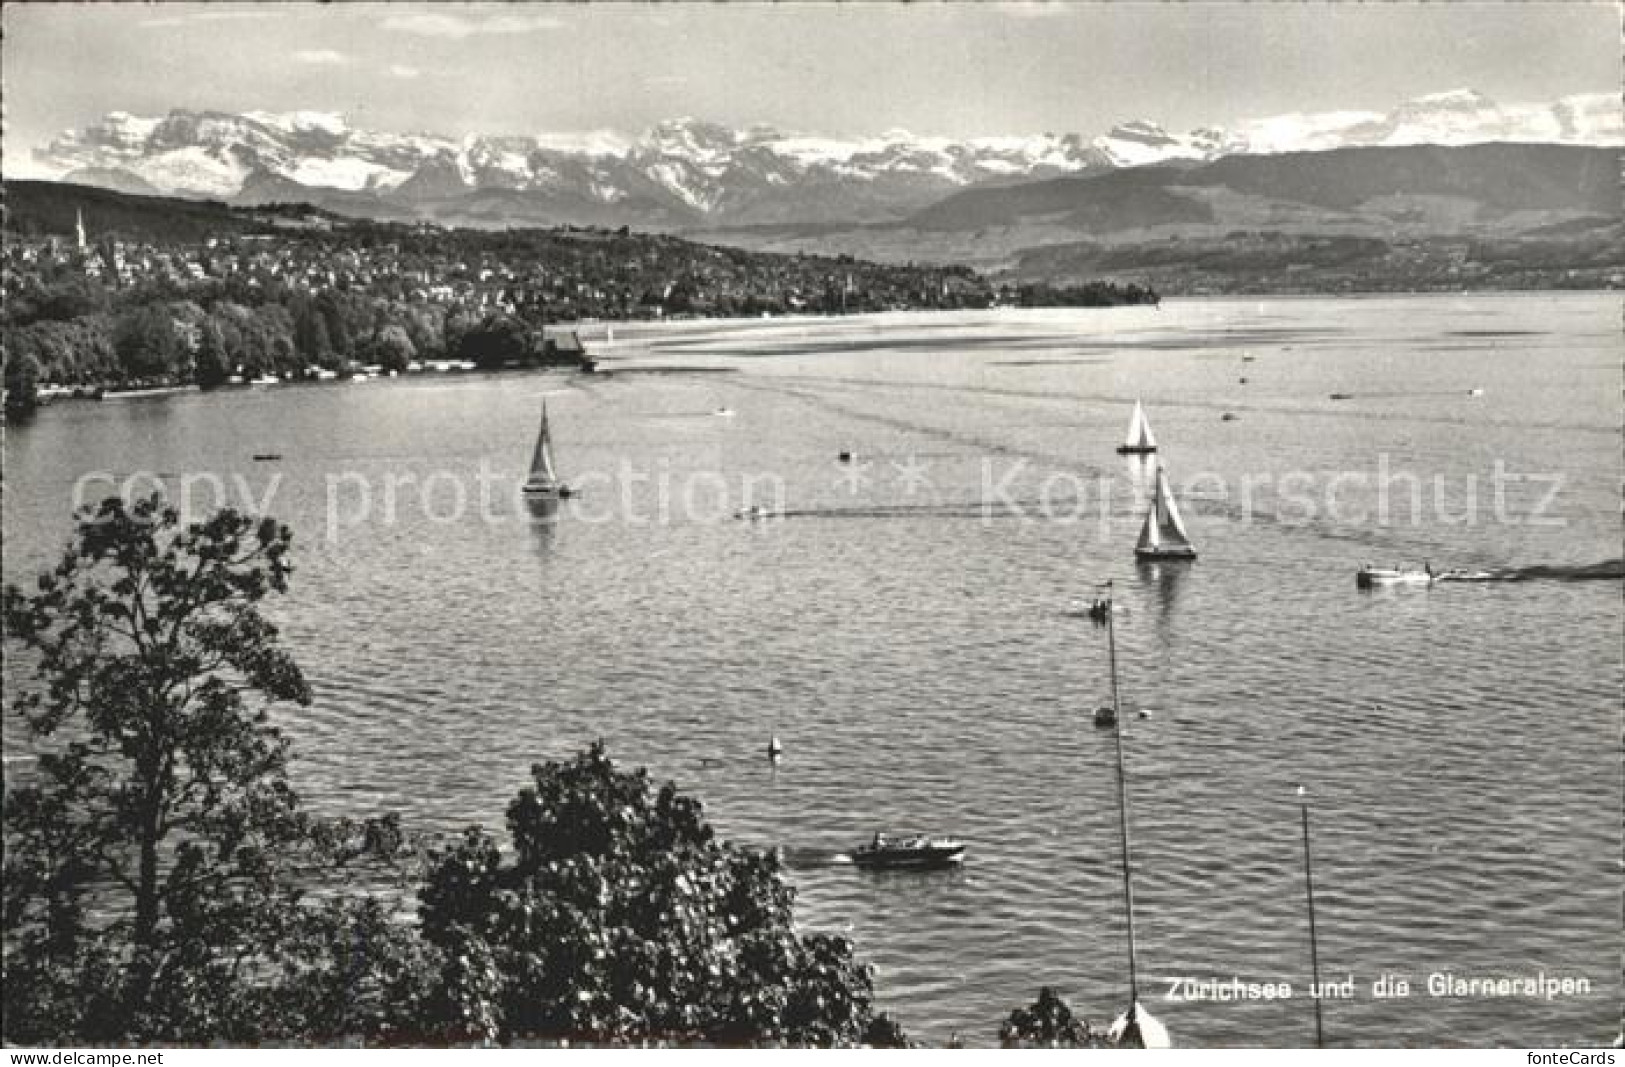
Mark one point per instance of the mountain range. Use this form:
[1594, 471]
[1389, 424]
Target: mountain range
[689, 174]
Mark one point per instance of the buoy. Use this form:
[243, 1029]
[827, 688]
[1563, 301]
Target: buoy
[774, 749]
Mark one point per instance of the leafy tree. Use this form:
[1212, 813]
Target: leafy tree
[146, 342]
[311, 339]
[21, 378]
[64, 298]
[392, 349]
[213, 363]
[65, 352]
[494, 341]
[424, 325]
[156, 857]
[1047, 1023]
[619, 917]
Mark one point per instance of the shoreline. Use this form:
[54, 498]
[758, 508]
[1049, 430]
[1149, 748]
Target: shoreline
[612, 358]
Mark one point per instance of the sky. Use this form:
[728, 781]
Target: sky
[839, 69]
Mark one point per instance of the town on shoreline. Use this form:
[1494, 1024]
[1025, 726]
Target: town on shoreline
[109, 293]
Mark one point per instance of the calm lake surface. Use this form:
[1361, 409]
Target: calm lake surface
[907, 629]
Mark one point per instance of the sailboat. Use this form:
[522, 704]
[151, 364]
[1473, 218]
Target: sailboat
[1139, 440]
[1136, 1027]
[1163, 536]
[543, 486]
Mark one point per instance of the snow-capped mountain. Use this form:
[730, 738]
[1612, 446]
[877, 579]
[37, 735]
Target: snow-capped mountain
[690, 171]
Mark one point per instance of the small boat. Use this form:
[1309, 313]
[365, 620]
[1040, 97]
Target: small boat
[1163, 536]
[1342, 396]
[1369, 577]
[753, 514]
[543, 487]
[1475, 392]
[1458, 574]
[1229, 416]
[265, 379]
[1105, 716]
[724, 413]
[1139, 440]
[267, 457]
[845, 456]
[910, 850]
[142, 393]
[1244, 381]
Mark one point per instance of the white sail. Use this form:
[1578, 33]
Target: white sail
[541, 460]
[1149, 541]
[1164, 531]
[1139, 437]
[1170, 527]
[1142, 1031]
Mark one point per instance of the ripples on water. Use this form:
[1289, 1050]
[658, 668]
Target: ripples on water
[915, 654]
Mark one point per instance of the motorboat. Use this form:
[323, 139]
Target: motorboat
[1458, 574]
[1370, 577]
[753, 514]
[909, 850]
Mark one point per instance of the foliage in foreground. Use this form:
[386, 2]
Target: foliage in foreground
[620, 917]
[157, 862]
[1047, 1023]
[163, 883]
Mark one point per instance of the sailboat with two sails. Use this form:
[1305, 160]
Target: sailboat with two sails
[543, 489]
[1163, 537]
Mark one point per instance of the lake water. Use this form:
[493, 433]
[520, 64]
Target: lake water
[906, 629]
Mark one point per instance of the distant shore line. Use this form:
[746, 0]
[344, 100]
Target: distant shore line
[643, 329]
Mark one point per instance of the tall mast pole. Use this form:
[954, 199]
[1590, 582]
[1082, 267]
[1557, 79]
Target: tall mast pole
[1122, 804]
[1309, 890]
